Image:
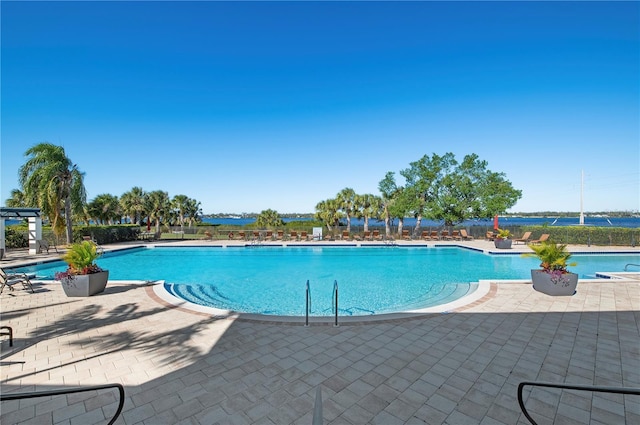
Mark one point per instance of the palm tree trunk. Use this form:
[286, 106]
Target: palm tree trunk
[68, 219]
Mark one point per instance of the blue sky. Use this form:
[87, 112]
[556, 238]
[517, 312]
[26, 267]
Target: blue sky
[253, 105]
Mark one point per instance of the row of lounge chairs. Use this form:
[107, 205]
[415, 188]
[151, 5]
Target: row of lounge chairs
[524, 239]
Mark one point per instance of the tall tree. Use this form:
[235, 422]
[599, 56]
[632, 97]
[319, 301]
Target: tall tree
[50, 180]
[389, 190]
[367, 206]
[133, 204]
[105, 209]
[454, 192]
[158, 206]
[346, 198]
[17, 199]
[328, 211]
[193, 211]
[269, 219]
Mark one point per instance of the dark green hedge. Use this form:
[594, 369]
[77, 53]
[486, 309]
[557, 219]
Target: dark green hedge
[586, 235]
[107, 234]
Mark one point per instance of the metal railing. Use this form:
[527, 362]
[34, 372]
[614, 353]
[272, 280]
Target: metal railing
[630, 264]
[334, 302]
[613, 390]
[20, 396]
[308, 305]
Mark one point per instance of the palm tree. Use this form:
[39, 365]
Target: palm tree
[367, 206]
[105, 208]
[346, 198]
[158, 206]
[17, 199]
[269, 219]
[193, 211]
[328, 211]
[179, 204]
[55, 184]
[132, 204]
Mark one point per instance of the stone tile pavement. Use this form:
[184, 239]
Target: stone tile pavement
[181, 367]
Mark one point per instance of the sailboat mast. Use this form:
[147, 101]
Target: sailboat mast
[582, 199]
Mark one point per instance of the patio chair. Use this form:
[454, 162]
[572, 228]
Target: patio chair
[280, 235]
[42, 245]
[434, 235]
[490, 236]
[465, 236]
[425, 235]
[10, 279]
[268, 236]
[293, 235]
[405, 235]
[376, 235]
[345, 235]
[444, 235]
[304, 236]
[367, 235]
[541, 239]
[524, 239]
[455, 235]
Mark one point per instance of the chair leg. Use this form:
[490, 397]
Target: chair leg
[9, 332]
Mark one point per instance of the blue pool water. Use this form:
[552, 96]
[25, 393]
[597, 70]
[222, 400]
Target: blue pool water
[372, 280]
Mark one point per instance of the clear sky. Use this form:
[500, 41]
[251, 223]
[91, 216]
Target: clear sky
[246, 106]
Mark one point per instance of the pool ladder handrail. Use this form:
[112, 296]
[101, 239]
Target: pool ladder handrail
[630, 264]
[308, 304]
[334, 302]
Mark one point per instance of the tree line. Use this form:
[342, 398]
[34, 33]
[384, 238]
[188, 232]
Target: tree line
[434, 187]
[53, 183]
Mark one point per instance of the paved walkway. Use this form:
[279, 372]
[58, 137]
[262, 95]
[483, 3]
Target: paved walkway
[180, 367]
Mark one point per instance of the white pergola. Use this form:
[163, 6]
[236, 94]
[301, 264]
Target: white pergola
[35, 225]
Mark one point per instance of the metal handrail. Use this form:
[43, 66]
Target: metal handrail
[631, 264]
[614, 390]
[334, 302]
[308, 305]
[19, 396]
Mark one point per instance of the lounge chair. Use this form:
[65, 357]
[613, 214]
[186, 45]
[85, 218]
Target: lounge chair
[280, 235]
[242, 235]
[268, 236]
[304, 236]
[464, 235]
[256, 235]
[10, 279]
[541, 239]
[444, 234]
[405, 235]
[293, 236]
[376, 235]
[42, 245]
[490, 236]
[367, 235]
[524, 239]
[425, 235]
[345, 235]
[434, 235]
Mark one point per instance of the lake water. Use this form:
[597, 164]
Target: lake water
[632, 222]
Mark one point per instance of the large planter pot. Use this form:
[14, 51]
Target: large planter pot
[554, 284]
[503, 243]
[85, 285]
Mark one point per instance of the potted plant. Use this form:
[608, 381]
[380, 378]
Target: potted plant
[553, 278]
[83, 276]
[502, 240]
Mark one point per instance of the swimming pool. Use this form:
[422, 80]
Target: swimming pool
[371, 280]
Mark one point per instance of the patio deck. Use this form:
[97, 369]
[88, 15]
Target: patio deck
[181, 367]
